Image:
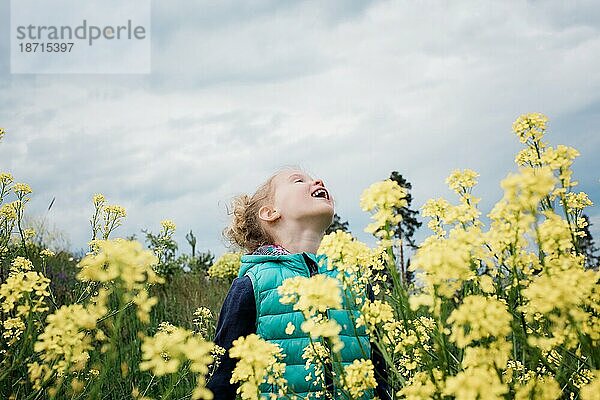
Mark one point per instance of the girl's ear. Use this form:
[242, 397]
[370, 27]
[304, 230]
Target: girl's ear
[267, 213]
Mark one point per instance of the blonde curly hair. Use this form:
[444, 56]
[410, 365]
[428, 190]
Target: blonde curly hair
[246, 232]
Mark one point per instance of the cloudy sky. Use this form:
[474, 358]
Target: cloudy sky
[349, 90]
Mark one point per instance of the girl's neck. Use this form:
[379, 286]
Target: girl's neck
[299, 237]
[299, 246]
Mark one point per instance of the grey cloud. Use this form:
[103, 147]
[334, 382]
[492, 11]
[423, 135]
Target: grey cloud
[350, 92]
[233, 43]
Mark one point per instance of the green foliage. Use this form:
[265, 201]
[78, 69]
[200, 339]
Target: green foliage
[337, 224]
[587, 246]
[178, 300]
[405, 230]
[191, 239]
[164, 246]
[196, 264]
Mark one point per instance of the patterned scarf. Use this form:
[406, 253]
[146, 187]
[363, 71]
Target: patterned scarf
[271, 250]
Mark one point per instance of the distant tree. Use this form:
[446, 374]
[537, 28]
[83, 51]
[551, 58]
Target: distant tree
[337, 224]
[587, 246]
[195, 263]
[164, 247]
[191, 239]
[405, 230]
[199, 263]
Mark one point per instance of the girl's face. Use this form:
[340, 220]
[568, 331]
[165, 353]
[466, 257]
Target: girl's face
[300, 197]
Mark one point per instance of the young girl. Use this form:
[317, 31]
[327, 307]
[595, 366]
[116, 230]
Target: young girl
[281, 227]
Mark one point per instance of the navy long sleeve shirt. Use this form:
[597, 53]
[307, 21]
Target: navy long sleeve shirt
[238, 318]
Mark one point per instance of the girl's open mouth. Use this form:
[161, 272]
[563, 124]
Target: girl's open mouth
[321, 192]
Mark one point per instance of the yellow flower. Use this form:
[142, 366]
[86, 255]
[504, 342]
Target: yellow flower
[165, 352]
[436, 209]
[203, 319]
[542, 388]
[325, 328]
[13, 328]
[316, 356]
[359, 377]
[530, 128]
[98, 199]
[290, 328]
[560, 160]
[8, 212]
[527, 188]
[551, 296]
[259, 362]
[144, 305]
[479, 317]
[77, 385]
[116, 210]
[374, 313]
[161, 353]
[475, 383]
[168, 226]
[444, 264]
[28, 233]
[166, 327]
[21, 189]
[592, 389]
[460, 181]
[554, 235]
[420, 386]
[129, 266]
[123, 259]
[311, 295]
[21, 264]
[66, 341]
[24, 290]
[486, 283]
[357, 264]
[203, 312]
[464, 213]
[47, 253]
[578, 201]
[5, 178]
[384, 198]
[38, 373]
[106, 218]
[384, 194]
[348, 255]
[495, 354]
[226, 267]
[528, 157]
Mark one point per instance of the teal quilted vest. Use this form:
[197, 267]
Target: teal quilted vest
[267, 272]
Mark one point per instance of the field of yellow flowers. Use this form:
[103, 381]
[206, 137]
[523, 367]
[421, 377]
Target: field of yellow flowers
[499, 313]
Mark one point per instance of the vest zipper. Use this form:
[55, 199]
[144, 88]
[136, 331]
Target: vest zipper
[312, 266]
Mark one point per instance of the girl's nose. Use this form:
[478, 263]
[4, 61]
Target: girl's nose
[319, 182]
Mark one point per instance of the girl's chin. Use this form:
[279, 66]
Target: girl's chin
[325, 210]
[327, 205]
[324, 201]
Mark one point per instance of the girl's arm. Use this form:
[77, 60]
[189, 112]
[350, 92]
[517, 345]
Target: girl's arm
[237, 318]
[382, 390]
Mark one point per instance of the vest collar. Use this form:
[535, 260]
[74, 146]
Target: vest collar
[290, 260]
